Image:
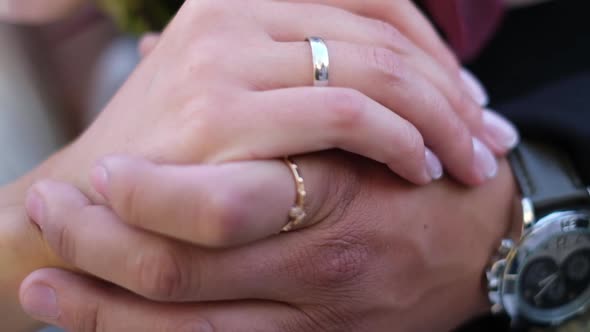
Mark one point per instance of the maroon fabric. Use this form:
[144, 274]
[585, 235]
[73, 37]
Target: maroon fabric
[468, 24]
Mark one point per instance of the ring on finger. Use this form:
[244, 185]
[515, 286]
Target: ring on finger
[321, 61]
[297, 213]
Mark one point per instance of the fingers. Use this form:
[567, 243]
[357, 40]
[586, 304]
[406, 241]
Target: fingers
[144, 263]
[475, 88]
[291, 23]
[154, 267]
[301, 120]
[95, 240]
[147, 43]
[76, 303]
[406, 17]
[384, 76]
[223, 205]
[37, 11]
[446, 106]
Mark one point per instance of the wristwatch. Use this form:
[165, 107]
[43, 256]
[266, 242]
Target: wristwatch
[543, 278]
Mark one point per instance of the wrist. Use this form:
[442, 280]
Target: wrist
[470, 233]
[505, 215]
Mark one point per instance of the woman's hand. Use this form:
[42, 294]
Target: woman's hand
[230, 81]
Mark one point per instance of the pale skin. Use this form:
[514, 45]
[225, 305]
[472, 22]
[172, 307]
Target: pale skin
[175, 116]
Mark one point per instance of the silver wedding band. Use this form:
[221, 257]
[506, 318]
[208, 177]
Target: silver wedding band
[321, 61]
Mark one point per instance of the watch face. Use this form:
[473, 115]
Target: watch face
[547, 279]
[542, 284]
[550, 282]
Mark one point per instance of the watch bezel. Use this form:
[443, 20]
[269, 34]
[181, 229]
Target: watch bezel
[548, 227]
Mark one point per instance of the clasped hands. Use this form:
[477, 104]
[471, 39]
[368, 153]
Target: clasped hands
[182, 222]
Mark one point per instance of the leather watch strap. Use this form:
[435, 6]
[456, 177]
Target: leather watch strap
[547, 177]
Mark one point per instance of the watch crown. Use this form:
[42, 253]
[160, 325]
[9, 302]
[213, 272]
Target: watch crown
[505, 247]
[493, 284]
[494, 277]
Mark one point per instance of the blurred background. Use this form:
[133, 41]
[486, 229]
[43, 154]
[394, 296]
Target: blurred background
[53, 81]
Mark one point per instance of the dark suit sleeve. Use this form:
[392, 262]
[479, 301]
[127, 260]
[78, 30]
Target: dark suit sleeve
[558, 113]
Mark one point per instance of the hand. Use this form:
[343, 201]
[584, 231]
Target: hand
[384, 255]
[210, 117]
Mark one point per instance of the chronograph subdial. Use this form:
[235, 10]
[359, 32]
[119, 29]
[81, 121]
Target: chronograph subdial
[576, 270]
[577, 266]
[547, 284]
[543, 285]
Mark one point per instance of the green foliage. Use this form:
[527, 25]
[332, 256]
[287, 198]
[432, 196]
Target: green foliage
[139, 16]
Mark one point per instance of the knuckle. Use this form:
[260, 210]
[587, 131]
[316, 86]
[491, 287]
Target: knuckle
[208, 8]
[212, 20]
[391, 36]
[346, 109]
[160, 273]
[66, 242]
[337, 262]
[411, 143]
[200, 121]
[225, 211]
[386, 62]
[343, 262]
[201, 63]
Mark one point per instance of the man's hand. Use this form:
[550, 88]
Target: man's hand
[379, 254]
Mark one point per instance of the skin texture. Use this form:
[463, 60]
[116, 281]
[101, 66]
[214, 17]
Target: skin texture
[395, 252]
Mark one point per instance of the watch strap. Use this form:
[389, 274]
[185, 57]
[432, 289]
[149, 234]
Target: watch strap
[547, 177]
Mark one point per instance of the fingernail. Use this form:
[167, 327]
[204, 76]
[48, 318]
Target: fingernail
[433, 165]
[35, 206]
[485, 162]
[500, 130]
[40, 301]
[99, 177]
[475, 88]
